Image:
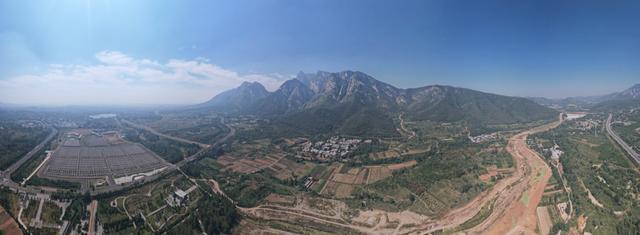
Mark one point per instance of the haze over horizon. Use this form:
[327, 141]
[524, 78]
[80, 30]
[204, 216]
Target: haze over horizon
[103, 52]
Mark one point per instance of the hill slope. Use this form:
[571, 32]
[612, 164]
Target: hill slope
[239, 98]
[451, 104]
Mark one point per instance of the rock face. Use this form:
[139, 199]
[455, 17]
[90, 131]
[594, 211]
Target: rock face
[351, 101]
[631, 93]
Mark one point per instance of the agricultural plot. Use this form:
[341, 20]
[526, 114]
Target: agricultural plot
[263, 155]
[98, 157]
[280, 199]
[544, 220]
[341, 183]
[425, 187]
[7, 224]
[494, 173]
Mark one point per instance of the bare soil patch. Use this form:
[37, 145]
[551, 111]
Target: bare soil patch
[7, 224]
[280, 199]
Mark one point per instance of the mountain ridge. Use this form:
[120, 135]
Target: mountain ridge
[625, 98]
[352, 101]
[248, 93]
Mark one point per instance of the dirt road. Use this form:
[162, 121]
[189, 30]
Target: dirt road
[93, 207]
[411, 133]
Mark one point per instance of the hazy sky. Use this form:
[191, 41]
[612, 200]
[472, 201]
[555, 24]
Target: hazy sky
[177, 52]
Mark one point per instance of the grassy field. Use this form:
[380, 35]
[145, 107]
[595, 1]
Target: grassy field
[29, 214]
[51, 213]
[9, 201]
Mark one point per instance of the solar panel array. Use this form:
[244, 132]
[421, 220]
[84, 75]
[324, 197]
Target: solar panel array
[91, 162]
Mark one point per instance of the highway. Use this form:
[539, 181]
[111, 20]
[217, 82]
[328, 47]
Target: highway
[634, 155]
[153, 131]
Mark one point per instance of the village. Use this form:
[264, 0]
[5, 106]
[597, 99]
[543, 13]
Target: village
[331, 149]
[483, 138]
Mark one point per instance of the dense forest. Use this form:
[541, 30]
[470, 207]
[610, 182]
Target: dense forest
[16, 141]
[218, 215]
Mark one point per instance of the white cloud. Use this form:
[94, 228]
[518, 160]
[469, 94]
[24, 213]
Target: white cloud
[114, 57]
[121, 79]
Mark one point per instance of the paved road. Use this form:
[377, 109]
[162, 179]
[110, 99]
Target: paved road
[634, 155]
[30, 154]
[149, 129]
[232, 132]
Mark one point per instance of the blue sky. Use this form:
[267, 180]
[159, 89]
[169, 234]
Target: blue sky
[53, 52]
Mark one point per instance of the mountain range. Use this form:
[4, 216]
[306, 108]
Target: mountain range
[617, 100]
[352, 102]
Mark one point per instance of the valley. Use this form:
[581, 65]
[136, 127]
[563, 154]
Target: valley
[254, 117]
[301, 171]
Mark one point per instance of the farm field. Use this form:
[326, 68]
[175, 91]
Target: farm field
[342, 183]
[263, 155]
[7, 224]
